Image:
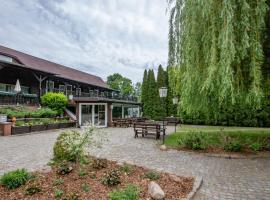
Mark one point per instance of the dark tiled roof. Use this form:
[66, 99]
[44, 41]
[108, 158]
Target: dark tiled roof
[57, 69]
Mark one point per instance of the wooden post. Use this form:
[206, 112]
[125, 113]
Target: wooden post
[40, 80]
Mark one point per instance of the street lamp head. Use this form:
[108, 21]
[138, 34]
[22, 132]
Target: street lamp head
[163, 92]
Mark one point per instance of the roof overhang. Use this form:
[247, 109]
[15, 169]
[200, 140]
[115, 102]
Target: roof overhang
[103, 100]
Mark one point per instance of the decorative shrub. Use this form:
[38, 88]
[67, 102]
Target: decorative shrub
[15, 179]
[85, 187]
[99, 163]
[55, 101]
[194, 140]
[256, 146]
[131, 192]
[151, 175]
[58, 193]
[33, 188]
[64, 168]
[126, 168]
[70, 145]
[82, 173]
[57, 182]
[112, 178]
[233, 145]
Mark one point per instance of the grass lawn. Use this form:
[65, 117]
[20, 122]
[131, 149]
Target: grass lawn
[216, 136]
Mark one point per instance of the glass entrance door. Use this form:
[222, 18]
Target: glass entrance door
[93, 114]
[86, 114]
[100, 119]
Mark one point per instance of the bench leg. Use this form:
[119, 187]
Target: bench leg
[136, 134]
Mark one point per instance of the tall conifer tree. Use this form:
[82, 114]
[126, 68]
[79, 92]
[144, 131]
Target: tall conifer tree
[144, 95]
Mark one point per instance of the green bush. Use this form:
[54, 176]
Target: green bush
[194, 140]
[33, 188]
[70, 145]
[57, 182]
[151, 175]
[67, 146]
[131, 192]
[64, 168]
[112, 178]
[15, 179]
[55, 101]
[256, 146]
[126, 168]
[85, 187]
[58, 193]
[233, 145]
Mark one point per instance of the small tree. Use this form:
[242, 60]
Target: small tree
[55, 101]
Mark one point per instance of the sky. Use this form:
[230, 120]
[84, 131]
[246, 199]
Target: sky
[100, 37]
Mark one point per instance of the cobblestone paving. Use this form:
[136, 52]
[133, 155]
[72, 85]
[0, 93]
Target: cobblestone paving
[223, 178]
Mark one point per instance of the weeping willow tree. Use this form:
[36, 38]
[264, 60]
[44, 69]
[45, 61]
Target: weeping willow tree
[216, 54]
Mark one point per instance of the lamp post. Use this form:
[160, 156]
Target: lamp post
[163, 94]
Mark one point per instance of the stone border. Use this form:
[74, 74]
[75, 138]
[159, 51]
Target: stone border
[196, 186]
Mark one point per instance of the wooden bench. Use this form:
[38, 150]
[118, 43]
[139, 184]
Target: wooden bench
[147, 129]
[121, 123]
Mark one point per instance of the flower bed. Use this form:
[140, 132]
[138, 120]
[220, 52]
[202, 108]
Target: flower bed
[27, 126]
[87, 181]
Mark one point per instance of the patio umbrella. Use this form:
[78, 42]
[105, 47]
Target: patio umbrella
[18, 88]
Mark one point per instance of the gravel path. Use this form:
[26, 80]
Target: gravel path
[223, 178]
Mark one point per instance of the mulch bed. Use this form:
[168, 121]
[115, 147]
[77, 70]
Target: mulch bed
[73, 182]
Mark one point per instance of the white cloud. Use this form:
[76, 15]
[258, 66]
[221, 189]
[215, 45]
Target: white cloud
[99, 37]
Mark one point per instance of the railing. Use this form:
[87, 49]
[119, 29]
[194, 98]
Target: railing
[8, 99]
[98, 94]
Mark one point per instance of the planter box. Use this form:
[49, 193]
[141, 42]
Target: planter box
[36, 128]
[67, 125]
[52, 126]
[20, 129]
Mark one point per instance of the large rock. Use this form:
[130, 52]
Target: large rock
[163, 147]
[155, 191]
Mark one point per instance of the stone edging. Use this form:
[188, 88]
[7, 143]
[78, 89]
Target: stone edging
[196, 186]
[228, 156]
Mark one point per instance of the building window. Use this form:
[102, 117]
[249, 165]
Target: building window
[68, 90]
[6, 58]
[62, 88]
[78, 91]
[49, 86]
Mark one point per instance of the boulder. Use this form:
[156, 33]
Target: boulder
[155, 191]
[163, 147]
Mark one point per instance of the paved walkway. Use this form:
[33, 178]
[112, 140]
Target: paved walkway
[223, 178]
